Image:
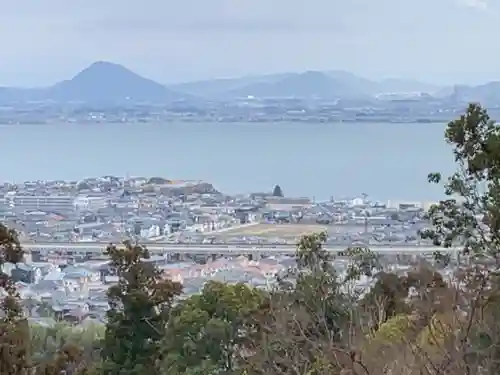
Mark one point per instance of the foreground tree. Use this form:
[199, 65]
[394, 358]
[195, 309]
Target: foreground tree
[308, 325]
[139, 310]
[207, 331]
[68, 360]
[468, 220]
[47, 342]
[14, 330]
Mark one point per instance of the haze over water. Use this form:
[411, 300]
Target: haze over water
[386, 161]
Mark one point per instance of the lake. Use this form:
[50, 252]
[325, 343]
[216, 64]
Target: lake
[386, 161]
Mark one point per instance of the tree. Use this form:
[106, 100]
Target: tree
[307, 326]
[468, 220]
[67, 360]
[206, 331]
[139, 310]
[47, 342]
[277, 192]
[386, 299]
[14, 330]
[389, 342]
[400, 310]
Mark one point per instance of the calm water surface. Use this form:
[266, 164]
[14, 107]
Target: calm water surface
[386, 161]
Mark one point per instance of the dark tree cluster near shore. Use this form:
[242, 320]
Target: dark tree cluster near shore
[437, 318]
[277, 192]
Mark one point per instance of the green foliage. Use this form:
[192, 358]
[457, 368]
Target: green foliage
[46, 342]
[14, 331]
[307, 325]
[206, 330]
[363, 262]
[393, 332]
[473, 190]
[386, 299]
[140, 307]
[319, 288]
[469, 220]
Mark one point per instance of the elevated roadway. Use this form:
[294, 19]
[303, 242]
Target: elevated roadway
[221, 249]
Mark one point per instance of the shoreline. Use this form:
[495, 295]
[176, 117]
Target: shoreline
[207, 121]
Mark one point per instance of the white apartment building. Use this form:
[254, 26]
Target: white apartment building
[43, 203]
[90, 203]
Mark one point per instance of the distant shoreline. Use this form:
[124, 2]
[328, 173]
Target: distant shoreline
[180, 121]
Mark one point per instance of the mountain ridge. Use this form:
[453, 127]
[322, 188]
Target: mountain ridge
[110, 83]
[487, 93]
[307, 85]
[100, 82]
[330, 84]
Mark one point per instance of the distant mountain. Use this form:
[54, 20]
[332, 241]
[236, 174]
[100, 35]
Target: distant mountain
[357, 83]
[101, 82]
[109, 83]
[328, 85]
[384, 86]
[12, 94]
[220, 87]
[488, 93]
[398, 85]
[311, 84]
[307, 85]
[104, 81]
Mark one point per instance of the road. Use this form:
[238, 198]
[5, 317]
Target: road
[163, 248]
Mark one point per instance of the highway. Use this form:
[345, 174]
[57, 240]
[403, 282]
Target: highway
[165, 248]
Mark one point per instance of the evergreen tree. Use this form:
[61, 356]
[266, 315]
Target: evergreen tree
[139, 308]
[14, 330]
[277, 192]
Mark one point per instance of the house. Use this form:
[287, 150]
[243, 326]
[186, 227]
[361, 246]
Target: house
[150, 232]
[81, 274]
[26, 273]
[90, 228]
[72, 311]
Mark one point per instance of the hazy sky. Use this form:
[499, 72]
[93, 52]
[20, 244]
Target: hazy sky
[176, 40]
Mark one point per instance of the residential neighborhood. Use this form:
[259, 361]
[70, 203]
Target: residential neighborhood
[58, 286]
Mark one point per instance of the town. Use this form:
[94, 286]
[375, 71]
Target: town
[62, 223]
[416, 109]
